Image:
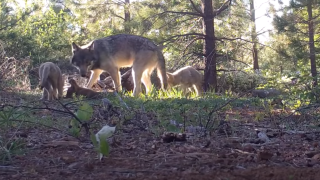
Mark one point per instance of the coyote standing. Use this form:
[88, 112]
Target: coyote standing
[122, 50]
[186, 77]
[75, 88]
[51, 81]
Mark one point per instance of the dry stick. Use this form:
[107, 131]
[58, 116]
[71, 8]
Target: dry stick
[35, 122]
[43, 126]
[9, 168]
[83, 124]
[302, 108]
[73, 102]
[217, 109]
[47, 108]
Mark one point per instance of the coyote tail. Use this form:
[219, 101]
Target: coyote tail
[161, 69]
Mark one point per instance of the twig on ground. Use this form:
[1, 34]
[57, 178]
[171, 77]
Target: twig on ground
[83, 124]
[219, 108]
[9, 168]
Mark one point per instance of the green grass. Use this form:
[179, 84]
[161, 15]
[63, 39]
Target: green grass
[165, 106]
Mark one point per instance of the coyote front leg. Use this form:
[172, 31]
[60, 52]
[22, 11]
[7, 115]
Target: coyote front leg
[95, 75]
[116, 77]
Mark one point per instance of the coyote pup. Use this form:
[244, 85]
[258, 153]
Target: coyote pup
[186, 77]
[75, 88]
[122, 50]
[51, 81]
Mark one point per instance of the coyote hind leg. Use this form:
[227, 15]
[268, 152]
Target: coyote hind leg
[136, 74]
[45, 94]
[60, 87]
[47, 91]
[198, 89]
[147, 81]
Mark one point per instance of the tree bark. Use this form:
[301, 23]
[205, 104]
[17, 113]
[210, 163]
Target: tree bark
[127, 17]
[254, 36]
[209, 48]
[311, 44]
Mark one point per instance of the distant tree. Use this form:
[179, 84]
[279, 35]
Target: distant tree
[298, 23]
[254, 36]
[188, 22]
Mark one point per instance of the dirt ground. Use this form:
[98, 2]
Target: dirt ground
[232, 152]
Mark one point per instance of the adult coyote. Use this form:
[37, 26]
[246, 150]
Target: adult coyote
[186, 78]
[51, 81]
[122, 50]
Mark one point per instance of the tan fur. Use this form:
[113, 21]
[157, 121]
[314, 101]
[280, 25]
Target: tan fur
[122, 50]
[51, 81]
[186, 78]
[75, 88]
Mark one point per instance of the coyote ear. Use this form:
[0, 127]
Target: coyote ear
[75, 47]
[91, 47]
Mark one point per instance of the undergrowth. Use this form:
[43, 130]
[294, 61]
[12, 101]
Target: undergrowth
[157, 112]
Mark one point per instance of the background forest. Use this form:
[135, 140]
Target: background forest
[44, 30]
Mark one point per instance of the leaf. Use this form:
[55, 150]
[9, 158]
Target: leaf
[104, 146]
[101, 139]
[85, 112]
[75, 129]
[172, 128]
[94, 140]
[74, 123]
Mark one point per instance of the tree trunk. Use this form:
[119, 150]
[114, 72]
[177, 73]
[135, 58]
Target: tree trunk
[311, 44]
[209, 48]
[127, 17]
[254, 36]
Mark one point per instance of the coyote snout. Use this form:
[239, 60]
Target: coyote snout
[83, 72]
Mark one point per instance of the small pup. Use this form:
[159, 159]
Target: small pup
[186, 78]
[75, 88]
[51, 81]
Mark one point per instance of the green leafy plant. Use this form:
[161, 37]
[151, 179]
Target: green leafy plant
[100, 140]
[102, 147]
[84, 114]
[10, 145]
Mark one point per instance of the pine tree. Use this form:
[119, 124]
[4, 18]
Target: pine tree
[298, 23]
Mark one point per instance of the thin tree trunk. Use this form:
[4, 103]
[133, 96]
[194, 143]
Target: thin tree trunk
[127, 17]
[311, 44]
[209, 48]
[254, 36]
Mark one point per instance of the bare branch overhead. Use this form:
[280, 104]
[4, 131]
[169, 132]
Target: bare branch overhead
[187, 13]
[196, 8]
[222, 8]
[182, 35]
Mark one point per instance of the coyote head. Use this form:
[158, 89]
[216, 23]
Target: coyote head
[82, 57]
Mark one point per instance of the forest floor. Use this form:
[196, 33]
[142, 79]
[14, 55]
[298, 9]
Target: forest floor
[230, 151]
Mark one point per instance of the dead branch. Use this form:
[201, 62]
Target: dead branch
[222, 106]
[222, 8]
[183, 12]
[183, 35]
[196, 8]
